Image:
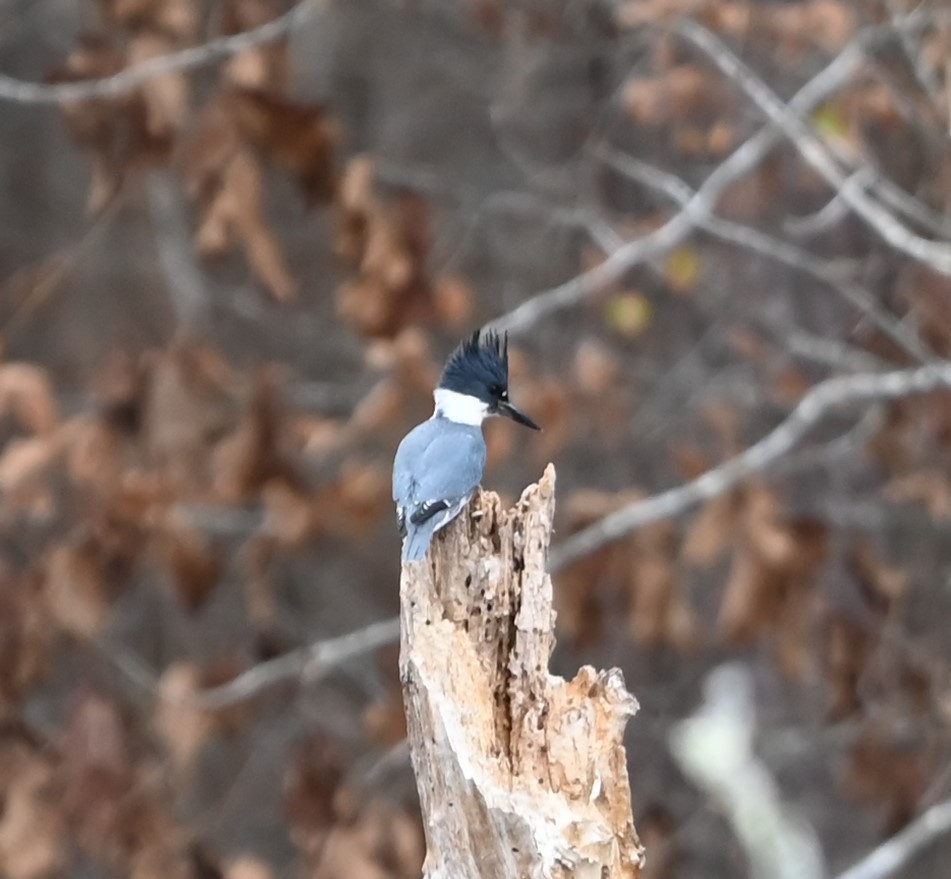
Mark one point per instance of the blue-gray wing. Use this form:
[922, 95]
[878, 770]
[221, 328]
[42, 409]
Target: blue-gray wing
[437, 461]
[438, 466]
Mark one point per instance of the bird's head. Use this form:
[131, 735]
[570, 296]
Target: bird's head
[475, 382]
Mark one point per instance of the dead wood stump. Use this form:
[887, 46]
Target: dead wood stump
[520, 773]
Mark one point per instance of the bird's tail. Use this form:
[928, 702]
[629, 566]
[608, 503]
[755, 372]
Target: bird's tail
[417, 542]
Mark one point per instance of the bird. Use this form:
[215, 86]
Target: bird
[439, 463]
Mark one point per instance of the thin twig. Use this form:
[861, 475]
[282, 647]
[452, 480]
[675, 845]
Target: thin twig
[822, 399]
[58, 269]
[744, 159]
[895, 853]
[311, 663]
[935, 254]
[832, 212]
[187, 293]
[828, 352]
[18, 91]
[914, 55]
[767, 245]
[740, 162]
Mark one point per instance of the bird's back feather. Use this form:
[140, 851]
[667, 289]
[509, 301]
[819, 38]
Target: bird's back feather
[437, 469]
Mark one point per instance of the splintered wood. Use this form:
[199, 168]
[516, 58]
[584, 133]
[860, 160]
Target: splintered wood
[520, 773]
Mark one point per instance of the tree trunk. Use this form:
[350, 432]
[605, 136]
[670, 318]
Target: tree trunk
[520, 773]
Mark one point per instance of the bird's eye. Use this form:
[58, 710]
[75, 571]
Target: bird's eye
[503, 394]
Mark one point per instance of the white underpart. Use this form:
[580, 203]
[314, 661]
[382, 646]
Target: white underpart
[461, 408]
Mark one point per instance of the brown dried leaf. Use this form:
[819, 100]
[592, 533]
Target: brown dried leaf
[385, 719]
[636, 13]
[76, 588]
[253, 453]
[387, 241]
[711, 532]
[94, 744]
[291, 518]
[94, 454]
[189, 406]
[889, 771]
[659, 611]
[24, 467]
[770, 584]
[826, 23]
[768, 536]
[191, 561]
[927, 487]
[884, 583]
[248, 867]
[32, 838]
[652, 584]
[262, 67]
[379, 409]
[114, 131]
[26, 395]
[742, 606]
[165, 96]
[311, 783]
[452, 298]
[234, 214]
[356, 201]
[847, 649]
[316, 436]
[362, 495]
[673, 95]
[300, 138]
[381, 843]
[181, 725]
[259, 591]
[596, 369]
[25, 637]
[173, 18]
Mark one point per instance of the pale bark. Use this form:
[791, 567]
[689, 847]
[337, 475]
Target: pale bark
[520, 773]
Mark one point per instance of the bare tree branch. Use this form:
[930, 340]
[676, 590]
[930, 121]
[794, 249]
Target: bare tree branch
[819, 402]
[20, 92]
[935, 254]
[832, 212]
[828, 352]
[767, 245]
[310, 663]
[187, 293]
[926, 77]
[744, 159]
[714, 747]
[895, 853]
[740, 162]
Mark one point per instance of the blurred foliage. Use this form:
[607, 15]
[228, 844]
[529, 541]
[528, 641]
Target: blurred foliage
[224, 300]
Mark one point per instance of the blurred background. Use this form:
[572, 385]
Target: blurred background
[230, 270]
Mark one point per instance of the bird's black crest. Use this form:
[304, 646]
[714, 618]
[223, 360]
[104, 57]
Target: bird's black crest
[479, 366]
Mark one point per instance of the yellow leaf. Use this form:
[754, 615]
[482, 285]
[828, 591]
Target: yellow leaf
[830, 122]
[629, 314]
[682, 271]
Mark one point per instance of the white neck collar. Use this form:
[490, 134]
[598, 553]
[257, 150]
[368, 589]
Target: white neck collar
[461, 408]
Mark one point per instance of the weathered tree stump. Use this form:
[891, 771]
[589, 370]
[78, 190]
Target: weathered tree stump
[520, 773]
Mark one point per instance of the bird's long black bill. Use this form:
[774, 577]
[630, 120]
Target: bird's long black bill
[509, 411]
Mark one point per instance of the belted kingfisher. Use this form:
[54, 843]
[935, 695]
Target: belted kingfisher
[439, 463]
